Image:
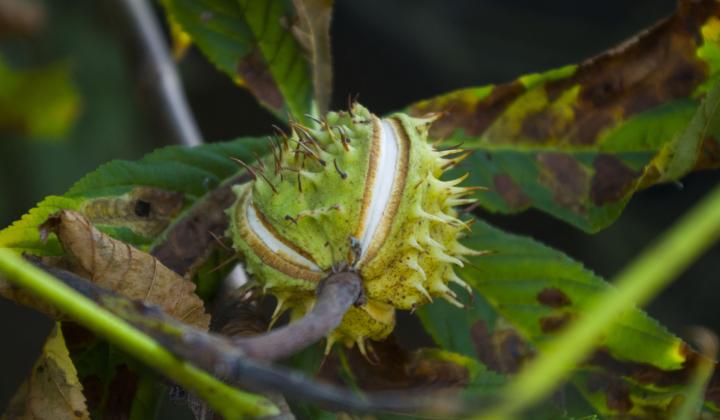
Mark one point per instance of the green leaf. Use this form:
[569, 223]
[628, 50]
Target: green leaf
[39, 103]
[481, 382]
[479, 333]
[251, 41]
[453, 330]
[638, 368]
[579, 141]
[635, 285]
[136, 201]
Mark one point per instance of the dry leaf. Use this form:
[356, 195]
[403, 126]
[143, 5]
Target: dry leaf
[118, 266]
[53, 390]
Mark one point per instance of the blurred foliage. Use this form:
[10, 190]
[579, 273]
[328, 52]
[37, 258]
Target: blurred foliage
[110, 123]
[37, 103]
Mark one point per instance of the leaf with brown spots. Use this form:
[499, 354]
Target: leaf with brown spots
[120, 267]
[147, 211]
[252, 42]
[553, 297]
[502, 350]
[579, 141]
[639, 367]
[53, 391]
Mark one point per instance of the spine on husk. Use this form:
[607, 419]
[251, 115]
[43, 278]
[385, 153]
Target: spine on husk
[355, 192]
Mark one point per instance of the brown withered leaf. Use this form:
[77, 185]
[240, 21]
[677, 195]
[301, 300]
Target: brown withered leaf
[52, 391]
[120, 267]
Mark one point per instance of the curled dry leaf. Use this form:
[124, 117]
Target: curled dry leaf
[120, 267]
[53, 390]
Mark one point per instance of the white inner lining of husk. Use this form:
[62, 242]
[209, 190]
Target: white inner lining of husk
[387, 166]
[273, 243]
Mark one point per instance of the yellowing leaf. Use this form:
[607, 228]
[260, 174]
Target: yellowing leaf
[579, 141]
[52, 391]
[38, 103]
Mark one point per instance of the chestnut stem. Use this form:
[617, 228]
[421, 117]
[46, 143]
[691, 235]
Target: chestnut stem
[336, 294]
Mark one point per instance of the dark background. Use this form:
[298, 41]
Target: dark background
[389, 52]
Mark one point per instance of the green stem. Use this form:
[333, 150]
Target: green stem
[228, 401]
[635, 285]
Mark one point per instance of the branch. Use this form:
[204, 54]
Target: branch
[220, 356]
[159, 72]
[336, 295]
[74, 297]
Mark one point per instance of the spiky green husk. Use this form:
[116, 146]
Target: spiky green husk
[312, 192]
